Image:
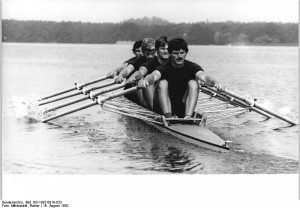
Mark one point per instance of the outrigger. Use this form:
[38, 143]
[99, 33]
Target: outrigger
[213, 107]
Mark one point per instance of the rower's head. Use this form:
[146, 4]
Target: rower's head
[137, 48]
[161, 46]
[178, 49]
[148, 48]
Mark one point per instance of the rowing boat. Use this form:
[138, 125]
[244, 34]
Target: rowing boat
[212, 107]
[192, 131]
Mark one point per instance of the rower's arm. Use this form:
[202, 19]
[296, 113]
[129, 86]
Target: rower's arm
[116, 71]
[150, 79]
[209, 80]
[137, 75]
[124, 73]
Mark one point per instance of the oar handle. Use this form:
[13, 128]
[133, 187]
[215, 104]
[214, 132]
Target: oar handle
[259, 107]
[71, 111]
[59, 93]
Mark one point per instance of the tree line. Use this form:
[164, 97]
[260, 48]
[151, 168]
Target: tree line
[201, 33]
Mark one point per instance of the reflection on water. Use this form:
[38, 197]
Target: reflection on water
[177, 161]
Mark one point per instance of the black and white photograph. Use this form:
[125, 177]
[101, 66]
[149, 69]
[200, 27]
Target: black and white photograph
[117, 103]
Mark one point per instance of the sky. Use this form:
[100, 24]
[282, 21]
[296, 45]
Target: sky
[177, 11]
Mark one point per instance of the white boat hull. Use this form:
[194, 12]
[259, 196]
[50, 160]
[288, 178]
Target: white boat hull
[195, 134]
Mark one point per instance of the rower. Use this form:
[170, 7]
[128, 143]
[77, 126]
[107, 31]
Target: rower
[162, 58]
[178, 88]
[148, 50]
[137, 51]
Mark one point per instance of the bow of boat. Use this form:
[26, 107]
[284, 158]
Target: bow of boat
[198, 135]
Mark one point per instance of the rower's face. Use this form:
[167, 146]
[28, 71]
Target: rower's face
[178, 57]
[138, 52]
[149, 54]
[163, 52]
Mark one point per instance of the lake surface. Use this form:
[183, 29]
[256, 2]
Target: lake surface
[93, 141]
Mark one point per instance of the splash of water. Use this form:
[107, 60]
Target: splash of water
[285, 111]
[267, 104]
[26, 108]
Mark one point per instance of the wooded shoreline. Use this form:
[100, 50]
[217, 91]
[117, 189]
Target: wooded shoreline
[202, 33]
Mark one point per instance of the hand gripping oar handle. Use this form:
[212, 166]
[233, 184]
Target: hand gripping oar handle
[259, 107]
[77, 86]
[98, 101]
[91, 95]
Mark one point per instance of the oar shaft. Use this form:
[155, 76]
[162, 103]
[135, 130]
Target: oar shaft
[77, 86]
[87, 90]
[260, 107]
[71, 111]
[95, 81]
[275, 114]
[67, 103]
[59, 93]
[118, 94]
[91, 95]
[61, 98]
[99, 100]
[108, 90]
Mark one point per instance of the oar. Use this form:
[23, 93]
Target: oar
[61, 98]
[99, 101]
[87, 90]
[255, 105]
[91, 95]
[84, 91]
[77, 86]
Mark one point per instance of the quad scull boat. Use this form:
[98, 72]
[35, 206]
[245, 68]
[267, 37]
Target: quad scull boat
[213, 107]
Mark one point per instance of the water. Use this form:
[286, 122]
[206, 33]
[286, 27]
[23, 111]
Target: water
[96, 142]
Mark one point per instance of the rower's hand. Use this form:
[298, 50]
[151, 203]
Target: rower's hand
[219, 87]
[111, 74]
[119, 79]
[130, 81]
[143, 83]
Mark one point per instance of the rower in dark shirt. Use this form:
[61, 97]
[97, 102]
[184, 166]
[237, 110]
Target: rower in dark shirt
[178, 88]
[137, 50]
[148, 50]
[162, 58]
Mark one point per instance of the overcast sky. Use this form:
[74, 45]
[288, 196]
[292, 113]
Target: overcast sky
[177, 11]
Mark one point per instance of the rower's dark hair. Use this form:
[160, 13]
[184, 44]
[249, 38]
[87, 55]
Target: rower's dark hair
[177, 44]
[161, 42]
[137, 44]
